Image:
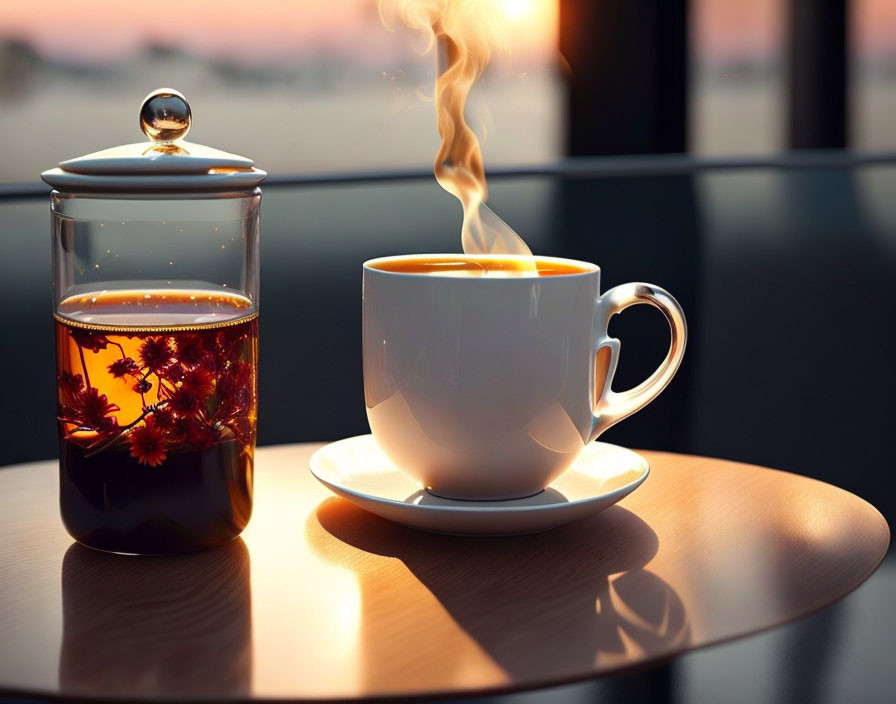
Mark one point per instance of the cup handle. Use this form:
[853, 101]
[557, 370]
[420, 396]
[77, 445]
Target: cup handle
[611, 407]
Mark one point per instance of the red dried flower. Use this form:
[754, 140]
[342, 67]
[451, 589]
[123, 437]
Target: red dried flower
[122, 367]
[201, 436]
[69, 386]
[181, 429]
[194, 432]
[190, 349]
[184, 403]
[205, 391]
[156, 353]
[91, 409]
[235, 389]
[148, 445]
[92, 341]
[174, 372]
[163, 419]
[198, 382]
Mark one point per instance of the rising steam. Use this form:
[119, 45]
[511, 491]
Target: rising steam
[463, 33]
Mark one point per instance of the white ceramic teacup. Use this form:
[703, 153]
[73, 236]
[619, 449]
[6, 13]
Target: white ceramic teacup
[488, 388]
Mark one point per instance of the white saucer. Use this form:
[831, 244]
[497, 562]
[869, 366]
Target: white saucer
[356, 469]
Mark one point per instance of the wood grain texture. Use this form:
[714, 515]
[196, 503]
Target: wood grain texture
[320, 600]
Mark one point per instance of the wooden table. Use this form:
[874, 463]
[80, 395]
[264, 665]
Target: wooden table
[320, 600]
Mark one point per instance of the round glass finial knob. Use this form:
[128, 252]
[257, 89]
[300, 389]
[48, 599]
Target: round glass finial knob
[165, 116]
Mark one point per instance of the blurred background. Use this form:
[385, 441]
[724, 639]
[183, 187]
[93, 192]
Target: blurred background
[301, 85]
[740, 153]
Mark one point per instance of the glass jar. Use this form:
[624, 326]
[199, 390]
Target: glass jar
[155, 291]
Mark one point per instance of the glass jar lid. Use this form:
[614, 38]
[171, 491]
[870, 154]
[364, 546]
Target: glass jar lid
[165, 163]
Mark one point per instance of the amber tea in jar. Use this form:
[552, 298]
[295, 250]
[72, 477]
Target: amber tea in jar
[156, 305]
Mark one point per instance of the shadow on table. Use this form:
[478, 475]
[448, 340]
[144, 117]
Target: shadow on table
[541, 606]
[172, 626]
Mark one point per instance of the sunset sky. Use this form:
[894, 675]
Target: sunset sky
[732, 27]
[376, 93]
[267, 29]
[271, 29]
[246, 28]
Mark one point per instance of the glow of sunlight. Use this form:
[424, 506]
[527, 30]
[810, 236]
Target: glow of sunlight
[519, 9]
[328, 606]
[533, 22]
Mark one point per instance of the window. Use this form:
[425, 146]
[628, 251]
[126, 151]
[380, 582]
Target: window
[317, 85]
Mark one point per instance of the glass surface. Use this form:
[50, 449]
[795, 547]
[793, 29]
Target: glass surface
[156, 364]
[110, 243]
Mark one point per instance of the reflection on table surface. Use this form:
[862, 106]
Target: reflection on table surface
[149, 625]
